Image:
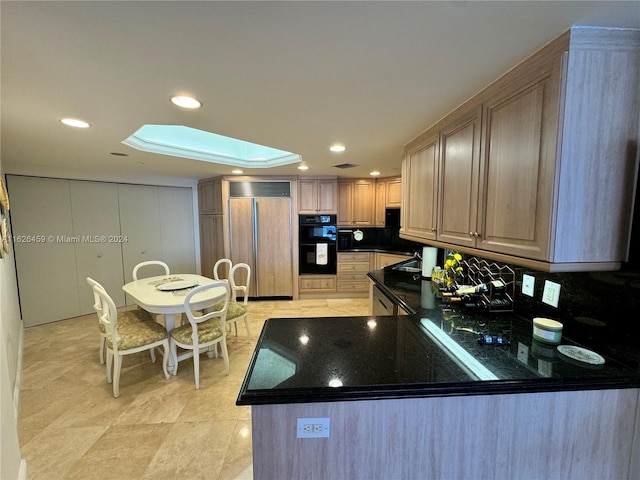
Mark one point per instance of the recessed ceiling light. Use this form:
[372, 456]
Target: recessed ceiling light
[74, 122]
[303, 167]
[337, 148]
[185, 102]
[375, 173]
[237, 171]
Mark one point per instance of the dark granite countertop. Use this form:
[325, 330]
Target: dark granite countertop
[432, 352]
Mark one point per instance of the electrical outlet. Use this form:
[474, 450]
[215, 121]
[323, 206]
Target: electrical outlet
[528, 282]
[313, 428]
[551, 293]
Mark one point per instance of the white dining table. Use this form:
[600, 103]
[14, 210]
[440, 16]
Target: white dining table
[165, 294]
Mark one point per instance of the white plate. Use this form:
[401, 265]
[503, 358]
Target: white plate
[181, 285]
[581, 354]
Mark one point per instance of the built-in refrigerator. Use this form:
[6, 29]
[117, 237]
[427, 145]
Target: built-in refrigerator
[261, 236]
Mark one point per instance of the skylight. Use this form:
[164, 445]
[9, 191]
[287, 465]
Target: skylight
[187, 142]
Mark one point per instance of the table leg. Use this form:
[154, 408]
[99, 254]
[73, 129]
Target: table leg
[169, 324]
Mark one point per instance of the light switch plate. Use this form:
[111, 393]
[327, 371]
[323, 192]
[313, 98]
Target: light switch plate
[551, 293]
[528, 283]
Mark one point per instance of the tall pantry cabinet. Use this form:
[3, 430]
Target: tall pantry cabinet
[66, 230]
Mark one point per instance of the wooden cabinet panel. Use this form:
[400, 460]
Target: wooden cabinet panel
[459, 174]
[388, 195]
[516, 196]
[274, 274]
[260, 235]
[356, 203]
[320, 284]
[419, 203]
[210, 196]
[394, 193]
[385, 259]
[317, 196]
[211, 242]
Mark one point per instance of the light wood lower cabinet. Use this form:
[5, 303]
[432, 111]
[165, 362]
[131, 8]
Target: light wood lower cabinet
[352, 272]
[317, 284]
[520, 436]
[385, 259]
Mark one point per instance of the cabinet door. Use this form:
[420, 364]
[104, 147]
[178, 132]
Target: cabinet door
[140, 223]
[363, 203]
[393, 193]
[274, 274]
[381, 202]
[96, 222]
[211, 242]
[518, 170]
[419, 204]
[327, 196]
[242, 235]
[177, 228]
[210, 197]
[46, 264]
[307, 196]
[459, 175]
[345, 202]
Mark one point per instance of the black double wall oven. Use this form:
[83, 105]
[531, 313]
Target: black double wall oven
[317, 247]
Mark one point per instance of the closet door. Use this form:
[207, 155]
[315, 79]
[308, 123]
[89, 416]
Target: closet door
[44, 250]
[96, 225]
[177, 229]
[140, 224]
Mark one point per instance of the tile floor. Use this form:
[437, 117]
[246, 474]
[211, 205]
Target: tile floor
[71, 427]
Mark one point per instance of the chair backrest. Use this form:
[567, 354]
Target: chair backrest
[220, 312]
[150, 262]
[217, 269]
[97, 301]
[239, 277]
[107, 314]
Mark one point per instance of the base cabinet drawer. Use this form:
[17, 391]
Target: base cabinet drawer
[317, 284]
[353, 286]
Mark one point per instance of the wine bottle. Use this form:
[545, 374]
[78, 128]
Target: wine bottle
[482, 288]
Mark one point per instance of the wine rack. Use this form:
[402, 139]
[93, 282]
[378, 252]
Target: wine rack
[478, 272]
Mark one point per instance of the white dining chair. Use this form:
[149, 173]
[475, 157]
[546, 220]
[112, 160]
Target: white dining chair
[217, 269]
[126, 317]
[239, 278]
[203, 333]
[149, 263]
[128, 339]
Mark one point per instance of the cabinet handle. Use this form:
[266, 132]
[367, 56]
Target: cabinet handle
[471, 234]
[143, 252]
[99, 255]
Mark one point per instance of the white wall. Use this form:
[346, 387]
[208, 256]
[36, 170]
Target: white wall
[11, 465]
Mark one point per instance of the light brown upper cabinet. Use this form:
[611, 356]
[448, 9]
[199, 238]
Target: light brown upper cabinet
[388, 195]
[317, 195]
[210, 196]
[356, 203]
[459, 174]
[420, 193]
[539, 169]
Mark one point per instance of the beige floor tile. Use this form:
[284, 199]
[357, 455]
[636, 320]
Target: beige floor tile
[122, 452]
[192, 450]
[238, 458]
[71, 426]
[54, 451]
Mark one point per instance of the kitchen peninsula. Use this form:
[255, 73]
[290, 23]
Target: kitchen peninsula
[418, 397]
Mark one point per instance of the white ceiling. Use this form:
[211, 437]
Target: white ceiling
[296, 76]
